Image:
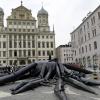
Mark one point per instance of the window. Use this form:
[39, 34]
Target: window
[19, 30]
[4, 61]
[24, 23]
[33, 60]
[15, 44]
[24, 44]
[32, 37]
[87, 24]
[47, 44]
[15, 53]
[29, 61]
[84, 28]
[28, 23]
[24, 53]
[33, 52]
[95, 45]
[15, 37]
[29, 53]
[0, 44]
[93, 19]
[51, 52]
[85, 37]
[39, 45]
[14, 29]
[38, 37]
[47, 37]
[4, 44]
[94, 32]
[43, 44]
[48, 53]
[4, 36]
[20, 53]
[19, 36]
[82, 50]
[24, 37]
[10, 29]
[98, 15]
[32, 23]
[43, 37]
[33, 44]
[82, 40]
[32, 30]
[39, 53]
[4, 53]
[28, 37]
[20, 44]
[51, 37]
[86, 48]
[10, 53]
[43, 53]
[10, 37]
[75, 52]
[10, 62]
[28, 30]
[88, 35]
[89, 47]
[29, 45]
[14, 23]
[51, 44]
[24, 30]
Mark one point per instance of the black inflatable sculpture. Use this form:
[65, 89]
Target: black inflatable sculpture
[43, 73]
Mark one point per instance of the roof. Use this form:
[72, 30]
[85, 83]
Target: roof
[1, 10]
[66, 45]
[42, 11]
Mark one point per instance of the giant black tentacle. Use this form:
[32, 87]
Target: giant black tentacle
[28, 86]
[22, 84]
[42, 77]
[90, 82]
[16, 75]
[74, 67]
[59, 90]
[79, 85]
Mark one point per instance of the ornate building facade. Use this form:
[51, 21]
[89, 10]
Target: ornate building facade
[25, 39]
[86, 40]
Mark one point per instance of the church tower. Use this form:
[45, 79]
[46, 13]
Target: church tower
[1, 19]
[42, 16]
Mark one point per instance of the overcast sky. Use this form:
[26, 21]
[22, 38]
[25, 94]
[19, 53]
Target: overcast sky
[66, 15]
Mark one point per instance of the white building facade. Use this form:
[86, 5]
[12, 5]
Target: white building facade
[25, 39]
[86, 40]
[64, 53]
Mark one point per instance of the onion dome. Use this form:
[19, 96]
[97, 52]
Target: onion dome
[42, 11]
[1, 11]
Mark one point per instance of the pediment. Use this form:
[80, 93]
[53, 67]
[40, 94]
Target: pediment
[21, 8]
